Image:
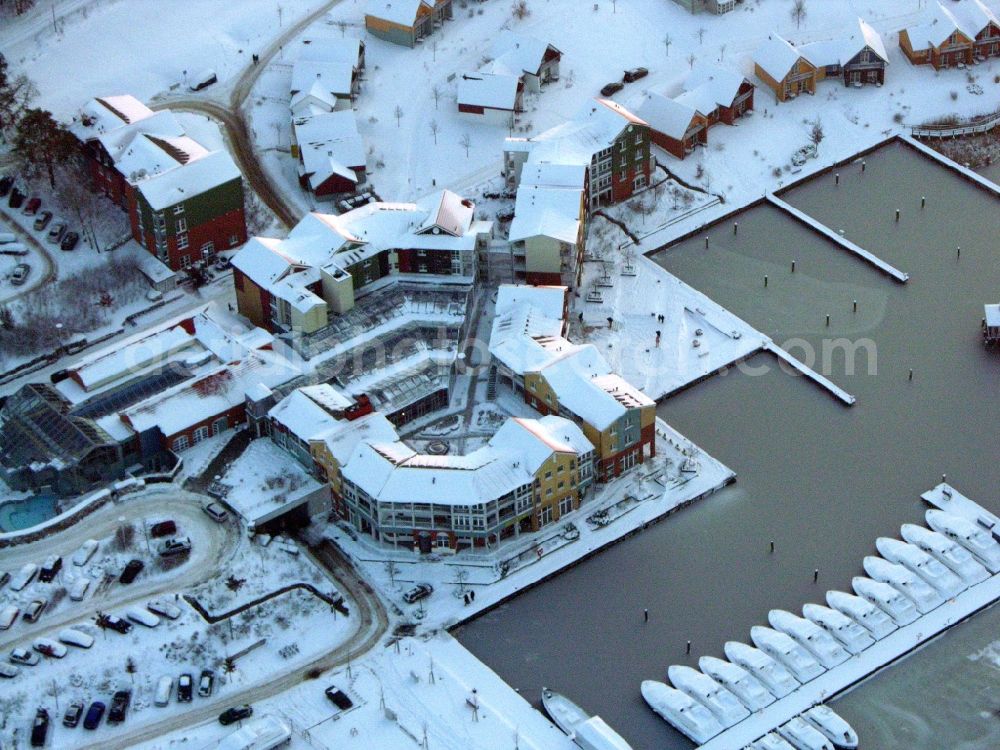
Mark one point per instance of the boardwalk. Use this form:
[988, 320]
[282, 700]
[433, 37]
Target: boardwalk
[810, 373]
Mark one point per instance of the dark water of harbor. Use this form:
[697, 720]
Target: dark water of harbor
[821, 480]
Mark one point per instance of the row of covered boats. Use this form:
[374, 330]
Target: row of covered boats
[912, 577]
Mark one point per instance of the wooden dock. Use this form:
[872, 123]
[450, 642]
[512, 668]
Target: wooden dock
[810, 373]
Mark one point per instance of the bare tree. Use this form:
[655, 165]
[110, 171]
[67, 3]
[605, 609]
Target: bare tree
[434, 127]
[437, 93]
[398, 114]
[816, 134]
[667, 41]
[691, 58]
[465, 142]
[520, 10]
[798, 12]
[701, 35]
[342, 25]
[722, 52]
[391, 570]
[82, 201]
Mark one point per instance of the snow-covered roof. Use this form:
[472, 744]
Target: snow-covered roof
[447, 211]
[163, 124]
[992, 313]
[594, 128]
[595, 732]
[332, 76]
[489, 90]
[262, 261]
[154, 269]
[671, 117]
[314, 100]
[549, 300]
[106, 113]
[871, 38]
[546, 212]
[542, 174]
[403, 12]
[721, 85]
[524, 338]
[342, 438]
[330, 145]
[842, 51]
[572, 379]
[776, 57]
[517, 54]
[310, 411]
[186, 181]
[973, 16]
[535, 440]
[331, 48]
[132, 356]
[934, 28]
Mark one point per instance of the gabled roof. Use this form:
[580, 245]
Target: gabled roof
[447, 211]
[489, 90]
[331, 48]
[842, 51]
[720, 84]
[937, 25]
[262, 260]
[310, 411]
[334, 77]
[973, 16]
[546, 212]
[671, 117]
[186, 181]
[776, 57]
[549, 300]
[342, 438]
[330, 145]
[517, 54]
[107, 113]
[403, 12]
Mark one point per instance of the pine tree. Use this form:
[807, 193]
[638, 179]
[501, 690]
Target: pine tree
[43, 144]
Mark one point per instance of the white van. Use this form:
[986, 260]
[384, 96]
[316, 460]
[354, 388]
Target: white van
[79, 590]
[7, 237]
[76, 638]
[48, 647]
[24, 576]
[82, 556]
[9, 616]
[142, 617]
[264, 733]
[163, 690]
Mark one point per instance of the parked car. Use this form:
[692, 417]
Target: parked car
[50, 568]
[4, 579]
[206, 683]
[94, 715]
[56, 232]
[72, 716]
[14, 248]
[34, 609]
[82, 556]
[79, 590]
[418, 592]
[40, 728]
[612, 88]
[50, 648]
[16, 198]
[216, 512]
[163, 528]
[119, 706]
[131, 571]
[9, 671]
[113, 622]
[8, 616]
[32, 206]
[185, 688]
[176, 546]
[69, 240]
[635, 74]
[7, 238]
[77, 638]
[43, 220]
[338, 697]
[20, 274]
[163, 690]
[163, 608]
[24, 576]
[23, 656]
[236, 713]
[142, 617]
[6, 183]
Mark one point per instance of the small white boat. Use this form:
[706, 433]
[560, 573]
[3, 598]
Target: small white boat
[900, 608]
[810, 636]
[681, 711]
[920, 563]
[832, 726]
[907, 583]
[974, 538]
[726, 707]
[958, 559]
[564, 712]
[782, 648]
[848, 633]
[595, 734]
[770, 741]
[863, 612]
[772, 675]
[737, 681]
[803, 735]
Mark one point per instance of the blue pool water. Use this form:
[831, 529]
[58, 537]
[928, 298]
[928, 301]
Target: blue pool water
[23, 514]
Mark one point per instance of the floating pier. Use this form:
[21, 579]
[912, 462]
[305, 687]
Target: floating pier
[882, 652]
[880, 264]
[810, 373]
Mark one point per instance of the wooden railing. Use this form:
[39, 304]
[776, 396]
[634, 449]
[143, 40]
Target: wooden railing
[973, 127]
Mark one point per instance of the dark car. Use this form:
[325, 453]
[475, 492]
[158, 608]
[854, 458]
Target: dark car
[206, 683]
[163, 528]
[119, 705]
[612, 88]
[185, 688]
[236, 713]
[32, 207]
[40, 728]
[111, 622]
[43, 220]
[418, 592]
[131, 571]
[338, 697]
[4, 579]
[16, 198]
[72, 716]
[50, 569]
[635, 74]
[69, 240]
[6, 183]
[94, 715]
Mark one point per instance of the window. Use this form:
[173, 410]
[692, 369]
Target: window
[545, 516]
[182, 241]
[178, 209]
[639, 182]
[234, 239]
[559, 469]
[219, 425]
[561, 485]
[208, 249]
[200, 434]
[548, 475]
[638, 139]
[180, 443]
[548, 492]
[621, 176]
[565, 505]
[185, 261]
[181, 225]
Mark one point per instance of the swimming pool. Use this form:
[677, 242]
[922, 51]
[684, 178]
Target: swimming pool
[23, 514]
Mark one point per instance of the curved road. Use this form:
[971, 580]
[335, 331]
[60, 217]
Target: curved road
[27, 238]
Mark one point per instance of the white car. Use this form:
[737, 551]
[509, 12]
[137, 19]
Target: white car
[216, 512]
[76, 638]
[82, 556]
[142, 617]
[79, 590]
[24, 576]
[164, 608]
[48, 647]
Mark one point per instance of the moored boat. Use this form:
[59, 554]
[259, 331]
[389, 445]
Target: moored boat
[723, 704]
[848, 633]
[681, 711]
[958, 559]
[773, 675]
[782, 648]
[974, 538]
[832, 726]
[810, 636]
[905, 582]
[803, 735]
[900, 608]
[753, 694]
[918, 562]
[873, 619]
